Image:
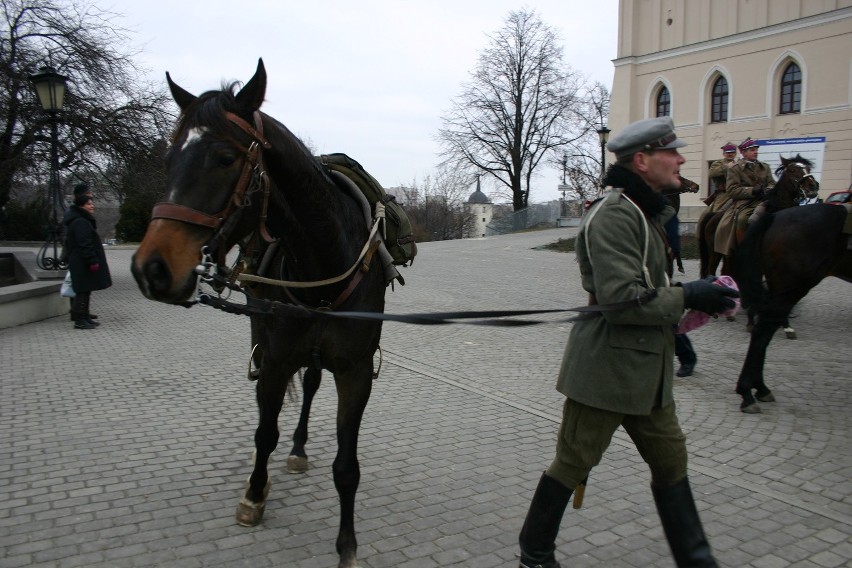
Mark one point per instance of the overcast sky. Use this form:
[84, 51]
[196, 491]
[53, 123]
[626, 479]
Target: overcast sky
[369, 78]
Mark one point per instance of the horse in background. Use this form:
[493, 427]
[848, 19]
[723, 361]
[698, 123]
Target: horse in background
[795, 182]
[792, 250]
[236, 176]
[672, 227]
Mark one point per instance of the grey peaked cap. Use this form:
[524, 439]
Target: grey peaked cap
[649, 134]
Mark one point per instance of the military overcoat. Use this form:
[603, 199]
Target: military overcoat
[743, 177]
[719, 174]
[622, 361]
[741, 180]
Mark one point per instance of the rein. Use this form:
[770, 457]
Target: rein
[317, 283]
[261, 306]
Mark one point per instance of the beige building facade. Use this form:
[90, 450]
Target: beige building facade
[779, 71]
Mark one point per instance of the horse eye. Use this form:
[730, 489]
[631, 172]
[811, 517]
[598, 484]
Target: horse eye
[226, 160]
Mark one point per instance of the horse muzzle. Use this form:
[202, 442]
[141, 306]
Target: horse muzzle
[163, 271]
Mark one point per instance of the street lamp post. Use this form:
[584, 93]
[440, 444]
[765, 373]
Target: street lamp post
[564, 187]
[50, 88]
[603, 136]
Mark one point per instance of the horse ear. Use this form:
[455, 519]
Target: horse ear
[251, 95]
[182, 97]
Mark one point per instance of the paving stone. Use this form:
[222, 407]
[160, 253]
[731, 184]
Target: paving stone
[129, 445]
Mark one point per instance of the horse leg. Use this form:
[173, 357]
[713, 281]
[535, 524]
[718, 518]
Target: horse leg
[297, 461]
[704, 236]
[713, 263]
[353, 392]
[271, 388]
[751, 376]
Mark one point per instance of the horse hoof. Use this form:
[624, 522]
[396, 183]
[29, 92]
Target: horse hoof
[790, 333]
[249, 514]
[752, 408]
[348, 563]
[297, 464]
[768, 397]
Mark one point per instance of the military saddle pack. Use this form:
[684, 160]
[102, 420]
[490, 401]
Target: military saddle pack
[396, 232]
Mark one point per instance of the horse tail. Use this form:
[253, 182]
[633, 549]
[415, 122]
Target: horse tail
[748, 266]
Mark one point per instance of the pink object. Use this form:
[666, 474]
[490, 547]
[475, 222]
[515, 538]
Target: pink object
[693, 319]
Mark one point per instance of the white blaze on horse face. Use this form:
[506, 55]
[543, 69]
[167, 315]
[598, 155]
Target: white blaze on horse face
[194, 135]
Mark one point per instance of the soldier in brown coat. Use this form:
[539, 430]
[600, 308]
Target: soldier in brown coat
[747, 183]
[718, 175]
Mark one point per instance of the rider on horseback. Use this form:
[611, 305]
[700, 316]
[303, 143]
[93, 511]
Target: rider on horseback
[718, 175]
[747, 183]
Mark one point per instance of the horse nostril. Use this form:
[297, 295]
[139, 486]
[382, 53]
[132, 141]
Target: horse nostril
[158, 276]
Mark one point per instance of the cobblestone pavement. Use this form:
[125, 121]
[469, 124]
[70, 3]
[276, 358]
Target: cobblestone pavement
[129, 445]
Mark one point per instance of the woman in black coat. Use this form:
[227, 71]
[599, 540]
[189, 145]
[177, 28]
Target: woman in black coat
[86, 259]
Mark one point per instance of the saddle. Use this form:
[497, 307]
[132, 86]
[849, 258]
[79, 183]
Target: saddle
[397, 232]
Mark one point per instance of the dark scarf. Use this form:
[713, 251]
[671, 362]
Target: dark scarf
[648, 200]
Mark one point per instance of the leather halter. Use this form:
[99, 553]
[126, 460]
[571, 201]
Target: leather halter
[253, 163]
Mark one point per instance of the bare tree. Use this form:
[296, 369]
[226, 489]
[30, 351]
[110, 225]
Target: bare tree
[584, 155]
[521, 104]
[109, 114]
[439, 213]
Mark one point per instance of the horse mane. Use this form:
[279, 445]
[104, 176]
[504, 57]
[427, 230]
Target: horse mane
[787, 161]
[209, 108]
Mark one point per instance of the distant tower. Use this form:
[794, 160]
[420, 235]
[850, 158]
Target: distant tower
[481, 209]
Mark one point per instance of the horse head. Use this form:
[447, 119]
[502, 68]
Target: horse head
[216, 187]
[795, 180]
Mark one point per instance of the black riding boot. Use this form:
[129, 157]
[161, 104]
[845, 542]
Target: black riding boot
[538, 535]
[682, 526]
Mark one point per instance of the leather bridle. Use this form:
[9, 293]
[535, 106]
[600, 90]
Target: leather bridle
[253, 177]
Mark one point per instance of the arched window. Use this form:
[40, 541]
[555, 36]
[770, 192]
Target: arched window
[791, 90]
[719, 108]
[664, 102]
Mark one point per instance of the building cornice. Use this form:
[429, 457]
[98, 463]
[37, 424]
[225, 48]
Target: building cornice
[736, 39]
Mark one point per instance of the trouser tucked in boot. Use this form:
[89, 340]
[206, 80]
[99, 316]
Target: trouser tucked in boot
[682, 526]
[538, 535]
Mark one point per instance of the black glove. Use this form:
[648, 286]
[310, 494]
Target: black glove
[758, 190]
[704, 296]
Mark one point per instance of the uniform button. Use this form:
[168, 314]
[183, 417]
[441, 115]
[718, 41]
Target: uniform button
[641, 340]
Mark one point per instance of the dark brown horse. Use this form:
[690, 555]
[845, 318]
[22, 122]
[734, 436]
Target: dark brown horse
[238, 177]
[792, 250]
[794, 183]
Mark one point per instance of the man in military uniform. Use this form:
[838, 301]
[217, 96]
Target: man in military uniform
[747, 182]
[617, 367]
[718, 175]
